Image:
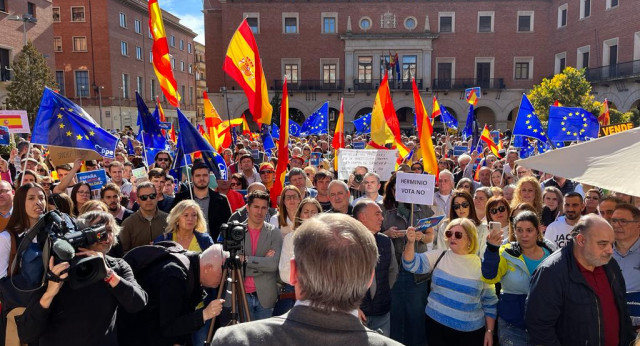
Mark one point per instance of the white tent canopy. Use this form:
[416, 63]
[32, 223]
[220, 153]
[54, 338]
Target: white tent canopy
[611, 162]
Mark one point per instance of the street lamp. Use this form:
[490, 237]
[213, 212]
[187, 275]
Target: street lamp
[81, 92]
[24, 19]
[98, 90]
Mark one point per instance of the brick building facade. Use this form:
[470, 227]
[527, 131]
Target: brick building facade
[333, 49]
[103, 56]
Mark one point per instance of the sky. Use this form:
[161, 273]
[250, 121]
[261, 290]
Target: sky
[189, 12]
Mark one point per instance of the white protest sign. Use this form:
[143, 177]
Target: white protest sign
[382, 162]
[415, 188]
[16, 120]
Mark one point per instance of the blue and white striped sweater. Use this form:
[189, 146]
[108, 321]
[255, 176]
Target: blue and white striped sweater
[458, 299]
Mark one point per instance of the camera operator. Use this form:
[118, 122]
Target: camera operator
[60, 315]
[356, 187]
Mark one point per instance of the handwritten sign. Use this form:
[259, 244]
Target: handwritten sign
[139, 173]
[96, 179]
[615, 128]
[62, 155]
[415, 188]
[381, 161]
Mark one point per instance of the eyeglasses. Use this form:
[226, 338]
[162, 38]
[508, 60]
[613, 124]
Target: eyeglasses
[500, 209]
[448, 234]
[622, 222]
[146, 197]
[267, 172]
[163, 159]
[291, 198]
[461, 205]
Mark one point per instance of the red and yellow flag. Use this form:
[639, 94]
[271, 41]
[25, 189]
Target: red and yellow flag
[338, 136]
[429, 161]
[243, 64]
[163, 118]
[283, 147]
[211, 121]
[161, 58]
[172, 134]
[486, 137]
[385, 128]
[473, 98]
[436, 109]
[604, 118]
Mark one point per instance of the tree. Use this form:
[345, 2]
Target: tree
[570, 88]
[30, 75]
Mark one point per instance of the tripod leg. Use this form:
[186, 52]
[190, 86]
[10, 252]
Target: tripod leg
[221, 289]
[243, 295]
[234, 302]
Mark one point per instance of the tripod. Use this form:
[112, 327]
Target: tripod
[231, 275]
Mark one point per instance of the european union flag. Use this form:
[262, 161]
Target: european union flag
[527, 122]
[190, 141]
[318, 122]
[447, 118]
[62, 123]
[518, 142]
[149, 132]
[468, 127]
[130, 149]
[275, 131]
[572, 123]
[527, 148]
[363, 124]
[267, 140]
[294, 129]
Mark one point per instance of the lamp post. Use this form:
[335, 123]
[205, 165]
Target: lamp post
[98, 89]
[81, 92]
[25, 18]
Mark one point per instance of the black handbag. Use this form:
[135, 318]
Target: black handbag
[430, 274]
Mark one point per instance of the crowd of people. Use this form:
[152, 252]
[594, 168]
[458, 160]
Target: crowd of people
[521, 257]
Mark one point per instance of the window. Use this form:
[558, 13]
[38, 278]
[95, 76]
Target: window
[410, 23]
[562, 15]
[560, 62]
[173, 63]
[446, 22]
[188, 47]
[329, 73]
[525, 21]
[150, 36]
[611, 4]
[582, 57]
[290, 25]
[585, 8]
[523, 68]
[190, 68]
[151, 57]
[182, 66]
[329, 25]
[82, 83]
[3, 8]
[123, 20]
[384, 66]
[365, 23]
[124, 48]
[77, 14]
[485, 21]
[172, 41]
[253, 19]
[191, 95]
[57, 44]
[79, 44]
[636, 45]
[5, 73]
[291, 72]
[182, 92]
[365, 69]
[138, 53]
[140, 85]
[409, 67]
[56, 14]
[137, 26]
[125, 86]
[445, 72]
[60, 82]
[153, 88]
[610, 52]
[484, 72]
[31, 9]
[181, 44]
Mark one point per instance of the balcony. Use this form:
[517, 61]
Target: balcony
[308, 85]
[393, 85]
[464, 83]
[630, 69]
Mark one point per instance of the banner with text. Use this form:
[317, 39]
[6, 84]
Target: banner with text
[615, 128]
[415, 188]
[382, 162]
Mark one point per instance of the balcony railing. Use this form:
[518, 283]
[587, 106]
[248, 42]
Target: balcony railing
[464, 83]
[627, 69]
[393, 84]
[308, 85]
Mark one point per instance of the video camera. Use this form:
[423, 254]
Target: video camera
[64, 238]
[233, 234]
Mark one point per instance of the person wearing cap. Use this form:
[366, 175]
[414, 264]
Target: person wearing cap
[296, 161]
[30, 162]
[267, 174]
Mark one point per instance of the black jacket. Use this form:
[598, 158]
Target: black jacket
[219, 210]
[562, 309]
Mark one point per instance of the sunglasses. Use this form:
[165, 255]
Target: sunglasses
[146, 197]
[267, 172]
[235, 184]
[500, 209]
[461, 205]
[449, 234]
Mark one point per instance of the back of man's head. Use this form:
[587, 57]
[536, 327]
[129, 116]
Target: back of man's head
[335, 256]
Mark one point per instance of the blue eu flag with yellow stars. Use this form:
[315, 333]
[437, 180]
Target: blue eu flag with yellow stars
[149, 132]
[527, 122]
[190, 141]
[62, 123]
[294, 129]
[363, 124]
[317, 123]
[572, 123]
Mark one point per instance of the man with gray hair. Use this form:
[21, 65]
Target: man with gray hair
[328, 293]
[298, 178]
[577, 295]
[339, 196]
[371, 182]
[445, 190]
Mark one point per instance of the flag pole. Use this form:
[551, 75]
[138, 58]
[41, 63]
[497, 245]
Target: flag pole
[184, 157]
[144, 149]
[24, 167]
[226, 99]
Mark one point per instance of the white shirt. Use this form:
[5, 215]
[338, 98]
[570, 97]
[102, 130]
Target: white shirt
[286, 253]
[559, 232]
[5, 250]
[378, 200]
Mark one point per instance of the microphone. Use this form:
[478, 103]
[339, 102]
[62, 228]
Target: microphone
[63, 249]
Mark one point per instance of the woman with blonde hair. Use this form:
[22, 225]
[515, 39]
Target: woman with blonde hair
[528, 191]
[186, 226]
[92, 205]
[289, 201]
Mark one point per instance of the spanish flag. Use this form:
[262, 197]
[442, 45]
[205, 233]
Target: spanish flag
[283, 148]
[486, 137]
[211, 121]
[436, 109]
[472, 98]
[604, 118]
[243, 64]
[163, 118]
[385, 128]
[161, 58]
[338, 136]
[429, 161]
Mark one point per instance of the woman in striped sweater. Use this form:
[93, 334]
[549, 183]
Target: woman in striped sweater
[461, 309]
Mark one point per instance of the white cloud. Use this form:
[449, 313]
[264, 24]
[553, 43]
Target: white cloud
[195, 23]
[190, 14]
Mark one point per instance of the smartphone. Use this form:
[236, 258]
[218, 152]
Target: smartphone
[494, 226]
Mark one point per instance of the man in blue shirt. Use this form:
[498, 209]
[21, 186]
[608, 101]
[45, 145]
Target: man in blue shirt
[626, 251]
